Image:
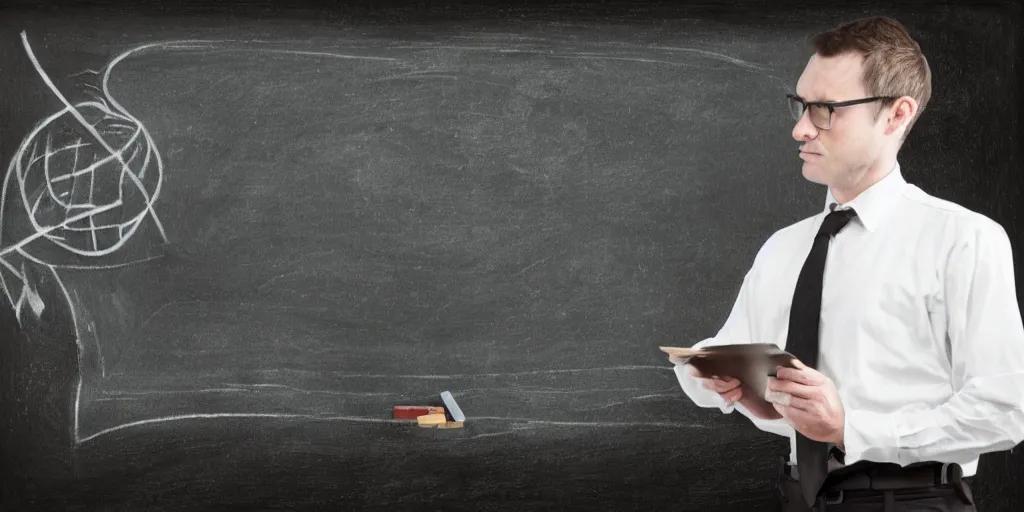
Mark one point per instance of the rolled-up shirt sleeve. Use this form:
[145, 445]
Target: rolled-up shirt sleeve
[986, 341]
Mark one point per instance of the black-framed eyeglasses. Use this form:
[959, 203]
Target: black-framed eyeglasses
[820, 112]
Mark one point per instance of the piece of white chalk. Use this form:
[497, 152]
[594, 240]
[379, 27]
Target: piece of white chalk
[453, 408]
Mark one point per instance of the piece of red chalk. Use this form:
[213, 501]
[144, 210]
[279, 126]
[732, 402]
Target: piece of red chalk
[411, 412]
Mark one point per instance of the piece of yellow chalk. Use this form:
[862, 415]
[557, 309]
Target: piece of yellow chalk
[450, 424]
[431, 420]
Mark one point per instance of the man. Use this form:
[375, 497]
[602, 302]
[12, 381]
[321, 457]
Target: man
[900, 306]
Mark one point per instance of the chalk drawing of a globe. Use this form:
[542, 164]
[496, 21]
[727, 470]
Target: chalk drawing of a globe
[78, 193]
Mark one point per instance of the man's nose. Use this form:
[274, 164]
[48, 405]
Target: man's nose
[804, 129]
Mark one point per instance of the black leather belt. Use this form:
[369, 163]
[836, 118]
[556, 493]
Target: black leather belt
[869, 479]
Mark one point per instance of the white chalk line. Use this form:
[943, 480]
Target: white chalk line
[500, 374]
[520, 389]
[99, 349]
[84, 72]
[74, 184]
[112, 266]
[635, 399]
[78, 343]
[619, 424]
[116, 394]
[251, 388]
[46, 172]
[234, 387]
[165, 419]
[79, 267]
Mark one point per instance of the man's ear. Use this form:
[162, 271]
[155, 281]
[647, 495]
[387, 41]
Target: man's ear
[898, 116]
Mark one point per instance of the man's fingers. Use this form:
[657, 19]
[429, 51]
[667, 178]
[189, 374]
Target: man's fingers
[733, 396]
[719, 385]
[727, 384]
[694, 372]
[778, 397]
[802, 405]
[793, 388]
[790, 401]
[793, 415]
[800, 416]
[805, 375]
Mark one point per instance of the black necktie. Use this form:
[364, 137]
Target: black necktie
[802, 342]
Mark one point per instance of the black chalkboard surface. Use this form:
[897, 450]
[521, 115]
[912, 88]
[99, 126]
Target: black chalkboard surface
[234, 237]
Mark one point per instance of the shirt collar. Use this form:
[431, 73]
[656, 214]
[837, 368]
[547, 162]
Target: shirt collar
[872, 204]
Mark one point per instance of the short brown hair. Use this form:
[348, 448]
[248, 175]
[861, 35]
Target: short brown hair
[893, 62]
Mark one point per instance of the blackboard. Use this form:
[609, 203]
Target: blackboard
[235, 236]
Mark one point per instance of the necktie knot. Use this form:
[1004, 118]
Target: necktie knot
[835, 221]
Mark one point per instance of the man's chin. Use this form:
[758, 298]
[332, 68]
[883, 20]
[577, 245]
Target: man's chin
[813, 173]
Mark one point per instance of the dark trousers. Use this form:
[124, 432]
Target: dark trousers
[873, 487]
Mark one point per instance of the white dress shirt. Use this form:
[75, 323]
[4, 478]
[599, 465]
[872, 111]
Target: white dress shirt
[920, 327]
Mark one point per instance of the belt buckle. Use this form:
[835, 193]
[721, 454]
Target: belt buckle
[834, 501]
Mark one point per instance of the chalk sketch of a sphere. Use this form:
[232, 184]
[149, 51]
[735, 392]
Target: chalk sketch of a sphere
[77, 194]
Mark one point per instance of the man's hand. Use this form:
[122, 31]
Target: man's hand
[731, 390]
[809, 401]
